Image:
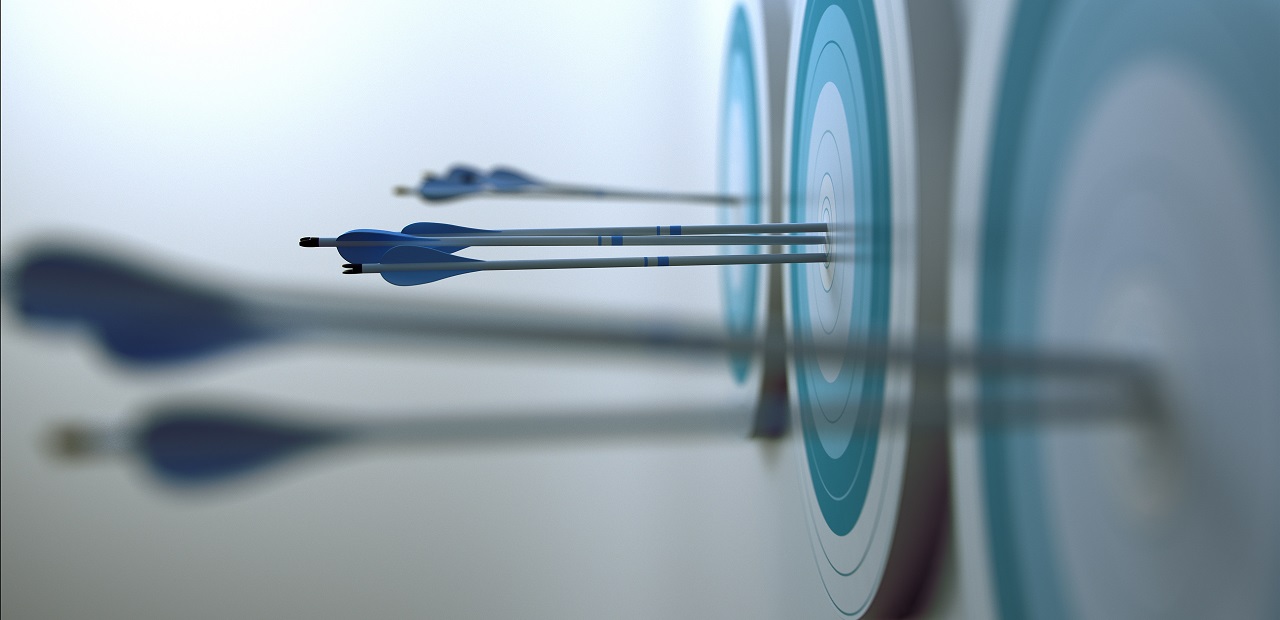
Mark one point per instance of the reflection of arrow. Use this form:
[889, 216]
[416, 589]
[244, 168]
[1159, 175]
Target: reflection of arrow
[199, 444]
[149, 317]
[410, 265]
[194, 445]
[465, 181]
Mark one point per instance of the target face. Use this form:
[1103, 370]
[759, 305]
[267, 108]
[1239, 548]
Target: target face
[1132, 205]
[849, 410]
[740, 172]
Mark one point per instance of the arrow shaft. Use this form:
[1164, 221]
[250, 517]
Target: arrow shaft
[560, 190]
[722, 421]
[729, 421]
[583, 240]
[598, 263]
[444, 324]
[657, 231]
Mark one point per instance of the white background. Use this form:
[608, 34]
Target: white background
[214, 136]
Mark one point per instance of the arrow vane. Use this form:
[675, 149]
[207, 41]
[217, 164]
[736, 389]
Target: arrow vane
[465, 182]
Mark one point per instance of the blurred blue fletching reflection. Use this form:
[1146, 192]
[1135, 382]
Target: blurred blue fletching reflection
[198, 446]
[139, 315]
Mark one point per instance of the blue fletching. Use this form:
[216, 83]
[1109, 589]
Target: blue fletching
[508, 180]
[404, 254]
[459, 181]
[431, 229]
[138, 315]
[444, 190]
[202, 446]
[373, 254]
[365, 254]
[464, 175]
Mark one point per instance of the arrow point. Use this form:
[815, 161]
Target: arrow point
[353, 268]
[309, 242]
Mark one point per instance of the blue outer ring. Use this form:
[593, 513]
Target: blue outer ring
[1059, 57]
[840, 45]
[740, 302]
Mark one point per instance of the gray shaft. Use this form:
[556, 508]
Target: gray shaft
[583, 191]
[700, 229]
[588, 240]
[708, 422]
[566, 329]
[660, 421]
[598, 263]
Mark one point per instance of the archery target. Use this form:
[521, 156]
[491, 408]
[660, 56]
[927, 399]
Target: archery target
[851, 165]
[743, 170]
[1121, 193]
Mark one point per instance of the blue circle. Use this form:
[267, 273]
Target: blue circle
[741, 296]
[840, 46]
[1060, 57]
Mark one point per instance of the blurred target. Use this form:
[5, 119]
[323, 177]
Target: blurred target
[1125, 197]
[743, 170]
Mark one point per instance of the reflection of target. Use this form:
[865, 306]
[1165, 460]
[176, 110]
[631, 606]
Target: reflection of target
[849, 116]
[1132, 177]
[743, 171]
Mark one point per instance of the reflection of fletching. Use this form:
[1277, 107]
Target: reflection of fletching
[138, 315]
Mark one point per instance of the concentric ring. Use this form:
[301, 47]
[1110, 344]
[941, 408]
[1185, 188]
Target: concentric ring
[850, 411]
[742, 165]
[1129, 204]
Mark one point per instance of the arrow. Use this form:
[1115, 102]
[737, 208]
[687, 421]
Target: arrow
[201, 445]
[465, 181]
[410, 265]
[368, 246]
[437, 229]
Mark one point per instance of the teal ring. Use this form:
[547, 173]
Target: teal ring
[741, 298]
[840, 45]
[1059, 56]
